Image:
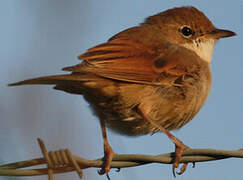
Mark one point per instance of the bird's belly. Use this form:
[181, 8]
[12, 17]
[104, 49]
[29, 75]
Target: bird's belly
[172, 107]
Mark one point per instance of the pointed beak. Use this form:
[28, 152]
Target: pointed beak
[220, 33]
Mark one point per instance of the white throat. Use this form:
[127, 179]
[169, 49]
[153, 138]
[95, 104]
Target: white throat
[204, 49]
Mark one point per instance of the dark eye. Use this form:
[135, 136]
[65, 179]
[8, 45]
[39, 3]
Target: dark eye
[186, 31]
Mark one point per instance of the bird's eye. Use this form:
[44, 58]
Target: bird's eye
[186, 31]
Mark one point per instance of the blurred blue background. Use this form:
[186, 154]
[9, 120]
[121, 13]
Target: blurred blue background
[40, 37]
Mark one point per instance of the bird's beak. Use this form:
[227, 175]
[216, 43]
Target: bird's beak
[219, 33]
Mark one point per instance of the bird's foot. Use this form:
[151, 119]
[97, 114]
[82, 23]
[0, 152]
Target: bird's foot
[179, 148]
[108, 156]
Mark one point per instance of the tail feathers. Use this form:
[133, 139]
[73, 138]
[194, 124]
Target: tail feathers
[55, 79]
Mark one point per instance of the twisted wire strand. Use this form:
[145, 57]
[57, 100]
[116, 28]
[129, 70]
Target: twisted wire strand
[62, 161]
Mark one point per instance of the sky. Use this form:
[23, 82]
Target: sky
[40, 37]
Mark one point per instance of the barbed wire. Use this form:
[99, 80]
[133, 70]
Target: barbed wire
[63, 161]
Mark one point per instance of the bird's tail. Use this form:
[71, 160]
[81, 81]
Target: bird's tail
[75, 83]
[55, 79]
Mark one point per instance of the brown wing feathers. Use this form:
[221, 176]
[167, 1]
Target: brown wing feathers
[119, 59]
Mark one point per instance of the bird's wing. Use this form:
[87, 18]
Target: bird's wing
[129, 61]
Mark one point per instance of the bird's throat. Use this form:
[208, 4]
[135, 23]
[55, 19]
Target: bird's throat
[204, 49]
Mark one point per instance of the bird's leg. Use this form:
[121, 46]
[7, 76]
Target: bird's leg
[179, 146]
[108, 152]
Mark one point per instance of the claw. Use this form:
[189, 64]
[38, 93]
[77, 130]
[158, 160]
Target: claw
[193, 164]
[107, 176]
[182, 169]
[100, 172]
[173, 171]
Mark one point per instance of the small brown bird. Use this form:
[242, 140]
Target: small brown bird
[149, 78]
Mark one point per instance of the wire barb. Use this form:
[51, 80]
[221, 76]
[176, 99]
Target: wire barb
[47, 158]
[58, 159]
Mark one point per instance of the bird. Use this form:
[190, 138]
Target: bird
[153, 77]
